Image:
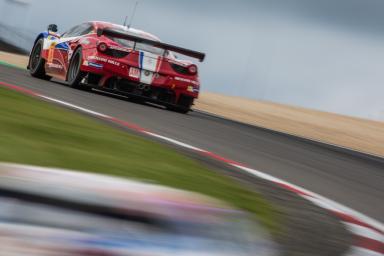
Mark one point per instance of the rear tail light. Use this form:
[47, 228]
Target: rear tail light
[111, 51]
[185, 70]
[102, 47]
[192, 69]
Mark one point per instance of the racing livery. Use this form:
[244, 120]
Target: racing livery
[118, 59]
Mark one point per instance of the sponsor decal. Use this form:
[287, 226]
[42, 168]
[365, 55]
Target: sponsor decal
[105, 60]
[113, 62]
[95, 65]
[134, 72]
[186, 80]
[54, 65]
[97, 58]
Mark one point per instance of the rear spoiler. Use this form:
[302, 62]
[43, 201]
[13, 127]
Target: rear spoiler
[111, 32]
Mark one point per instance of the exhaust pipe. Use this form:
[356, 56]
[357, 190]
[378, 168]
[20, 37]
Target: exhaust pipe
[144, 87]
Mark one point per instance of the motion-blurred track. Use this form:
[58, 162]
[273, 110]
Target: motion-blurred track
[353, 181]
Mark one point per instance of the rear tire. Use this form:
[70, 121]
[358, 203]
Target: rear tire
[183, 105]
[74, 74]
[181, 110]
[36, 63]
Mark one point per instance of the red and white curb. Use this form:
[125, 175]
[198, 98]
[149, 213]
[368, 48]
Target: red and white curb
[368, 234]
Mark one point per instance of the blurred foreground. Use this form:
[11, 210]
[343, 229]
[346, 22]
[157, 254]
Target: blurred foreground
[56, 212]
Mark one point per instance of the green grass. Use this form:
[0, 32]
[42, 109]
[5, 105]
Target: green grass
[11, 65]
[38, 133]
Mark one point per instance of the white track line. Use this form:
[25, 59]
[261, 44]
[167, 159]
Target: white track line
[67, 104]
[176, 142]
[358, 251]
[364, 231]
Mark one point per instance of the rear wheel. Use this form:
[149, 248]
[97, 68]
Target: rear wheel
[181, 110]
[75, 75]
[36, 62]
[183, 105]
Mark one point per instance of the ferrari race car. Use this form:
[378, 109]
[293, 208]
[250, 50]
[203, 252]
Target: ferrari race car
[120, 60]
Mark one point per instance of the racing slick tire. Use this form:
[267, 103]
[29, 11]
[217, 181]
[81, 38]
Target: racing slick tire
[183, 105]
[36, 62]
[74, 74]
[182, 110]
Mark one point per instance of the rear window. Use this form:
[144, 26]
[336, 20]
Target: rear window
[138, 46]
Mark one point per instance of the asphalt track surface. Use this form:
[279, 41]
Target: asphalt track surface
[354, 181]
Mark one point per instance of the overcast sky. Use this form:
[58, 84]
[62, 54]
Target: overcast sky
[322, 54]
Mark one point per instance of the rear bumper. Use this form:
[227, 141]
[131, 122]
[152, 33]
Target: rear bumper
[113, 74]
[163, 94]
[160, 101]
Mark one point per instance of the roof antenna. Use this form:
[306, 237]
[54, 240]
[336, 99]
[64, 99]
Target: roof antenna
[132, 16]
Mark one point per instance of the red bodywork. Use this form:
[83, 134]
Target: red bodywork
[115, 67]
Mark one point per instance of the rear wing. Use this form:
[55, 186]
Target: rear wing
[111, 32]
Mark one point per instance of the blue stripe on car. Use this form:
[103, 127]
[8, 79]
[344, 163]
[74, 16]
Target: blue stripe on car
[141, 60]
[62, 46]
[95, 65]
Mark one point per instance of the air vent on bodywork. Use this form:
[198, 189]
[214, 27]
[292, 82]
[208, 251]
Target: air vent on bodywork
[116, 53]
[180, 69]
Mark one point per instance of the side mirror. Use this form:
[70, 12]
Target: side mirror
[52, 27]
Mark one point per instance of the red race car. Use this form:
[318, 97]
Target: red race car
[118, 59]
